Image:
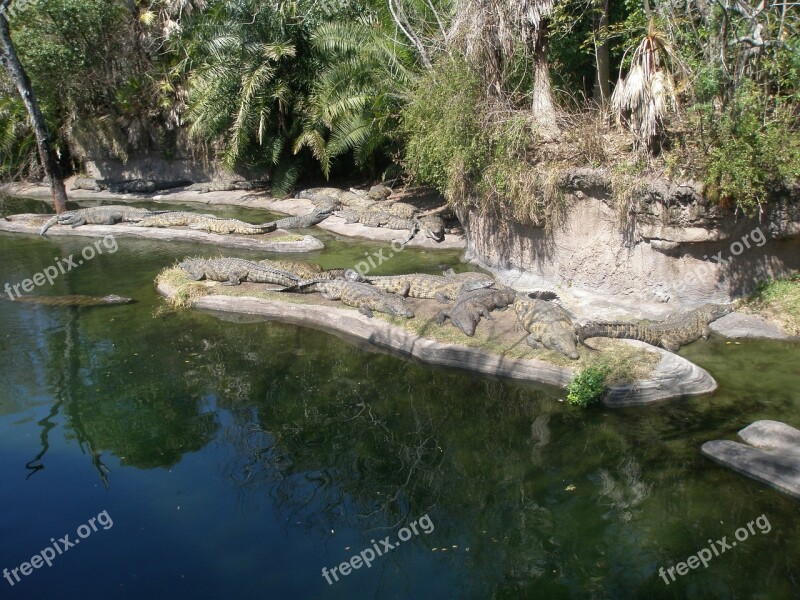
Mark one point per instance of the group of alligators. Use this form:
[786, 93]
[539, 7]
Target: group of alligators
[371, 208]
[141, 217]
[473, 296]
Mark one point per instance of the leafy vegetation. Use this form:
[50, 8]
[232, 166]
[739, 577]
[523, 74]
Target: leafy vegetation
[487, 101]
[588, 386]
[779, 299]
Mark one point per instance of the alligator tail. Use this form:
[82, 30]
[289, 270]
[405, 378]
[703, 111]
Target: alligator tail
[306, 286]
[48, 225]
[604, 329]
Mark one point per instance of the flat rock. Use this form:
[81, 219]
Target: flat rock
[772, 436]
[672, 377]
[737, 325]
[777, 470]
[30, 224]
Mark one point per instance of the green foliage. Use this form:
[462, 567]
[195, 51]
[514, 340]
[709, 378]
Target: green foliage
[475, 151]
[588, 386]
[355, 100]
[753, 151]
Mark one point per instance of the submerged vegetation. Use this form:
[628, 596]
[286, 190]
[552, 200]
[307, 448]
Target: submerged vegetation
[490, 102]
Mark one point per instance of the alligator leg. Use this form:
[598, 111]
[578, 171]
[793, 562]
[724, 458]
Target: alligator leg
[194, 275]
[405, 289]
[670, 344]
[366, 311]
[533, 342]
[442, 317]
[77, 222]
[441, 298]
[235, 279]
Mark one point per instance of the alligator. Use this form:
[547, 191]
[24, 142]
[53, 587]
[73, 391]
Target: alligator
[360, 295]
[466, 275]
[419, 285]
[73, 300]
[226, 186]
[548, 324]
[232, 271]
[671, 334]
[226, 226]
[86, 183]
[343, 197]
[470, 306]
[379, 192]
[432, 226]
[401, 209]
[98, 215]
[303, 270]
[308, 220]
[178, 218]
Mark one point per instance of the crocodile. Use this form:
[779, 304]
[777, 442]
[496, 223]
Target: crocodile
[226, 186]
[308, 220]
[360, 295]
[98, 215]
[432, 226]
[177, 218]
[226, 226]
[73, 300]
[419, 285]
[303, 270]
[470, 306]
[401, 209]
[379, 192]
[671, 334]
[466, 275]
[86, 183]
[343, 197]
[232, 271]
[549, 325]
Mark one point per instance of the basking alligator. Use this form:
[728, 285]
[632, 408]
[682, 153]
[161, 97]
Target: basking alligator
[303, 270]
[73, 300]
[360, 295]
[418, 285]
[232, 271]
[433, 227]
[549, 325]
[308, 220]
[226, 226]
[98, 215]
[177, 218]
[672, 333]
[466, 313]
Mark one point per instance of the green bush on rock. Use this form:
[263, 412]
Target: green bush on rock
[588, 386]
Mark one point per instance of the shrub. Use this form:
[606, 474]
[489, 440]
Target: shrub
[588, 386]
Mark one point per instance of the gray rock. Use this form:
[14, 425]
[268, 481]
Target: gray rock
[779, 471]
[772, 436]
[737, 325]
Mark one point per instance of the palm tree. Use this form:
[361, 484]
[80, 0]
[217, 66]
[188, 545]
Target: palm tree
[356, 99]
[644, 98]
[244, 86]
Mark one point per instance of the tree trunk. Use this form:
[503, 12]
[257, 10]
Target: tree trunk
[602, 88]
[544, 111]
[8, 56]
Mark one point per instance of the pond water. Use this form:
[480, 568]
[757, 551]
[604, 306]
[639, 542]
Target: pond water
[238, 458]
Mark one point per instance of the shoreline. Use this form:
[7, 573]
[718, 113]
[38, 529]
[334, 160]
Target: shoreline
[246, 199]
[268, 242]
[672, 376]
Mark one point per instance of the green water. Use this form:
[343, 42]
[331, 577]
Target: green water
[237, 458]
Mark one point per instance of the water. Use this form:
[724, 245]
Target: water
[237, 458]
